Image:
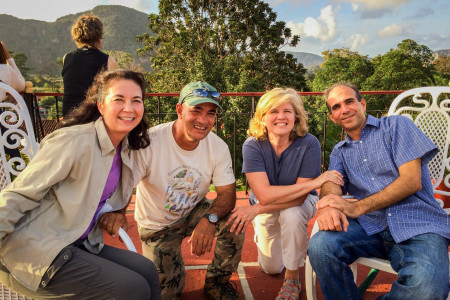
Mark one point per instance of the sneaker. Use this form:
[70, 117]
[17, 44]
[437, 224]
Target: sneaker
[290, 290]
[221, 288]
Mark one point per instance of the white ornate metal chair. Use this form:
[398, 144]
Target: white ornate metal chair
[429, 108]
[17, 135]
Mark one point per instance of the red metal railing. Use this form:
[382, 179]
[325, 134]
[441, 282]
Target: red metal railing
[238, 119]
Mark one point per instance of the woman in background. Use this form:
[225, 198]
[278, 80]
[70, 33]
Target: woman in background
[282, 164]
[50, 215]
[81, 65]
[9, 73]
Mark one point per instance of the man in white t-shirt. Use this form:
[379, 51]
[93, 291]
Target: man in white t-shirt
[175, 173]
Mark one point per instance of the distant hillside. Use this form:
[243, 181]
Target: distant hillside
[307, 59]
[43, 42]
[445, 52]
[312, 61]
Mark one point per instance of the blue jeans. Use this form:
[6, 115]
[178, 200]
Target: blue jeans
[421, 262]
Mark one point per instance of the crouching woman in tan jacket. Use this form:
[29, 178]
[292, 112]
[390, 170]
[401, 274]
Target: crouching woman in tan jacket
[51, 244]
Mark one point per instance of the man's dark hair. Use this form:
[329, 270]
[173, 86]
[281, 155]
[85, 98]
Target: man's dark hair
[327, 92]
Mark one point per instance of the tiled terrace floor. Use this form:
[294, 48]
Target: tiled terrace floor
[250, 280]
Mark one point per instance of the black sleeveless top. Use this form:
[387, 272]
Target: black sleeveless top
[79, 70]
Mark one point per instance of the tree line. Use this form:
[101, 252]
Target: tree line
[237, 47]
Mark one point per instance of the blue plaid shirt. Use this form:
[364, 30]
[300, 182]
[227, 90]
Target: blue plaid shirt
[371, 163]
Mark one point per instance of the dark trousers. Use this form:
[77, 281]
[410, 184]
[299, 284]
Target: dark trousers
[111, 274]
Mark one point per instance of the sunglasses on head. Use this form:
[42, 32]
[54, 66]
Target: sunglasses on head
[204, 93]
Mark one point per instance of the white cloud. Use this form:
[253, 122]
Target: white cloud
[374, 8]
[357, 41]
[392, 30]
[323, 28]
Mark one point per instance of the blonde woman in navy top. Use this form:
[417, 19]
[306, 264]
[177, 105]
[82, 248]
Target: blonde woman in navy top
[282, 165]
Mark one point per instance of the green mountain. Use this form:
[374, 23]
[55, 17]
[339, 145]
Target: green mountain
[43, 42]
[307, 59]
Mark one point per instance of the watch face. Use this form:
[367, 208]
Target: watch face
[213, 218]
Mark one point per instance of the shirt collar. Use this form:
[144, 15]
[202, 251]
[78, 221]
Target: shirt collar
[103, 138]
[370, 121]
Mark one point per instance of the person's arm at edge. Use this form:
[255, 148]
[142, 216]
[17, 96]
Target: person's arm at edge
[112, 64]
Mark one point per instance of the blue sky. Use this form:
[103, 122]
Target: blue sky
[370, 27]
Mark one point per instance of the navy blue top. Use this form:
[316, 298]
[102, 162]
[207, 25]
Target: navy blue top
[301, 159]
[371, 163]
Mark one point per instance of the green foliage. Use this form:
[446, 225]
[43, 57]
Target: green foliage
[442, 66]
[21, 60]
[408, 66]
[233, 45]
[342, 65]
[125, 60]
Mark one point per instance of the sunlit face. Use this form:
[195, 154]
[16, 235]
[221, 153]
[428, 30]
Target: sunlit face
[197, 121]
[122, 109]
[346, 110]
[280, 120]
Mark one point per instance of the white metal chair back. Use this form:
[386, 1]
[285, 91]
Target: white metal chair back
[17, 133]
[428, 108]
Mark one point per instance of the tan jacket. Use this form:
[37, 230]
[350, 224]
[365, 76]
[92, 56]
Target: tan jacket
[52, 202]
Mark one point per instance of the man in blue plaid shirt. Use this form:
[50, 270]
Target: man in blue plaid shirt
[395, 216]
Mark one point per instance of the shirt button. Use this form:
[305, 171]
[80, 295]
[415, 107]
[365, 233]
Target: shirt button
[360, 142]
[365, 159]
[43, 283]
[66, 256]
[389, 214]
[373, 178]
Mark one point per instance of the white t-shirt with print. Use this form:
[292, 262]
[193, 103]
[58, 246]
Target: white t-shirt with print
[174, 180]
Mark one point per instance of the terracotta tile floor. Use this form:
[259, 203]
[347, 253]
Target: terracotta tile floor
[250, 280]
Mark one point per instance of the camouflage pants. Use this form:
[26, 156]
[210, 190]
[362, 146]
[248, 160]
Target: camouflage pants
[163, 247]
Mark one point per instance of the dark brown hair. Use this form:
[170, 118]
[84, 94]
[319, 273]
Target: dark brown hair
[88, 111]
[87, 31]
[327, 92]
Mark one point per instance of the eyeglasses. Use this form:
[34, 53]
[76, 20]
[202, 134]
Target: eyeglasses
[204, 93]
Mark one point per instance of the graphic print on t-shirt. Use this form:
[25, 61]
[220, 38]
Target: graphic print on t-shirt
[182, 191]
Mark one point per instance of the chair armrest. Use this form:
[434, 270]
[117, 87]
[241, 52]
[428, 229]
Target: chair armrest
[126, 239]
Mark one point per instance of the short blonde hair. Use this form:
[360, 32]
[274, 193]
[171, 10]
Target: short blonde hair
[275, 98]
[87, 31]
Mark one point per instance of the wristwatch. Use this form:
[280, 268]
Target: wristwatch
[213, 218]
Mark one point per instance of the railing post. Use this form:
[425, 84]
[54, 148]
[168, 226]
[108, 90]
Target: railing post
[253, 107]
[234, 144]
[324, 140]
[159, 110]
[57, 109]
[28, 97]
